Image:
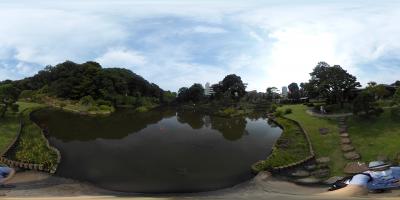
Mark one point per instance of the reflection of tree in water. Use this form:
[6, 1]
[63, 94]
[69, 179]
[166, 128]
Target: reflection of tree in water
[194, 119]
[231, 128]
[256, 115]
[69, 127]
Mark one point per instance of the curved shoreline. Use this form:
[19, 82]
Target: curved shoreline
[37, 185]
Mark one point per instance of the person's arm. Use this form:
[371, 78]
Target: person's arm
[9, 176]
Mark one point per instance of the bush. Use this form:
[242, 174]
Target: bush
[278, 113]
[103, 102]
[87, 101]
[15, 107]
[273, 108]
[309, 104]
[141, 109]
[395, 113]
[105, 108]
[27, 94]
[288, 111]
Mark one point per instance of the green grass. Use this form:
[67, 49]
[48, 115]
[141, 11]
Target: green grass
[9, 127]
[291, 147]
[375, 136]
[324, 145]
[32, 145]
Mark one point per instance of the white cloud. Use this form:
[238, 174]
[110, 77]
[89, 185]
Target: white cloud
[208, 29]
[175, 43]
[120, 57]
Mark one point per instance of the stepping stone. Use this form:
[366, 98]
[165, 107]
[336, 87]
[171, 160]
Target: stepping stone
[321, 173]
[352, 155]
[323, 160]
[300, 173]
[323, 131]
[355, 168]
[332, 180]
[310, 167]
[345, 140]
[347, 148]
[344, 135]
[342, 130]
[308, 180]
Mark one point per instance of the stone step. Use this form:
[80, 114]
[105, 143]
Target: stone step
[345, 141]
[347, 148]
[323, 160]
[344, 135]
[355, 167]
[352, 155]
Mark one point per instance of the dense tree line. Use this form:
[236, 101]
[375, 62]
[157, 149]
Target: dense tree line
[70, 80]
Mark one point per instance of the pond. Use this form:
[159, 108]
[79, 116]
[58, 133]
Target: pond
[160, 151]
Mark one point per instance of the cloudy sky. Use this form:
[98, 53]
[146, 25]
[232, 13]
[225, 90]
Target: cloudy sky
[176, 43]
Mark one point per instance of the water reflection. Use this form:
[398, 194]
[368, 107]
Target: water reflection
[158, 151]
[125, 122]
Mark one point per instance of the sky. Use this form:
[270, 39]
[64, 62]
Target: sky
[176, 43]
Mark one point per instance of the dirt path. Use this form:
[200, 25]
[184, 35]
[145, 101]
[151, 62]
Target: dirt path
[35, 185]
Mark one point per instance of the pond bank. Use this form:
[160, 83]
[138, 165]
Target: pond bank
[36, 185]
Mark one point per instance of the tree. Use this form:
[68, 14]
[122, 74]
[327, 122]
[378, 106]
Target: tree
[183, 94]
[396, 96]
[333, 83]
[196, 92]
[294, 91]
[272, 93]
[234, 85]
[397, 83]
[365, 104]
[379, 91]
[8, 97]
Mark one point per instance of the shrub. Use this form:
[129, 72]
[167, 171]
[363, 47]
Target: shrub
[278, 113]
[105, 108]
[141, 109]
[395, 113]
[87, 101]
[273, 108]
[103, 102]
[15, 107]
[27, 94]
[288, 111]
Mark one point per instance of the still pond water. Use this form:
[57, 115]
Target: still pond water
[159, 151]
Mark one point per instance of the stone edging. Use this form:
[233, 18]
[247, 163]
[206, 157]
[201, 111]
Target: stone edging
[311, 150]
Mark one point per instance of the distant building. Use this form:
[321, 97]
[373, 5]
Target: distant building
[284, 92]
[208, 90]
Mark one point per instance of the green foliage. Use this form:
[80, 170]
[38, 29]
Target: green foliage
[169, 97]
[396, 97]
[331, 82]
[395, 113]
[291, 147]
[195, 93]
[69, 80]
[278, 113]
[141, 109]
[273, 108]
[87, 101]
[379, 91]
[32, 145]
[365, 105]
[27, 94]
[8, 97]
[288, 111]
[294, 91]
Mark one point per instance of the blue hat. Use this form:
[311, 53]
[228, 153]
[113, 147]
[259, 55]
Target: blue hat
[377, 165]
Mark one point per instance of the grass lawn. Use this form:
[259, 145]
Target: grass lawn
[9, 127]
[291, 147]
[324, 145]
[375, 136]
[32, 145]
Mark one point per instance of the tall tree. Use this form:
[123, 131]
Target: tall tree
[333, 83]
[294, 91]
[8, 97]
[234, 85]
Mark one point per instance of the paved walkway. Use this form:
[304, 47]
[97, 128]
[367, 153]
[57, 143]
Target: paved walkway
[315, 114]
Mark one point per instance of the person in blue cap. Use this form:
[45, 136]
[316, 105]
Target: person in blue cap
[6, 173]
